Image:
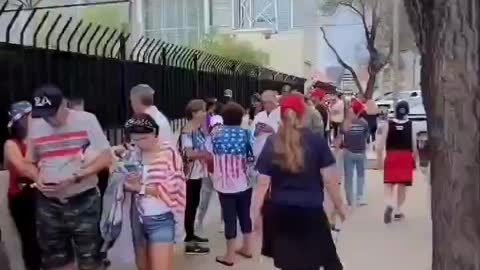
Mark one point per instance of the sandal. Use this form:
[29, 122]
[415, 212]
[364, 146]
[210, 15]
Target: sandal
[244, 255]
[220, 261]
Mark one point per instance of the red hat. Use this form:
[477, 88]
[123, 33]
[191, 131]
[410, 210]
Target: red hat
[294, 103]
[318, 93]
[358, 107]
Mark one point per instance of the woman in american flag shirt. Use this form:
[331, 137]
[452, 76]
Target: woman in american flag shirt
[158, 182]
[231, 152]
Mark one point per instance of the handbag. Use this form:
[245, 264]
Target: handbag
[251, 172]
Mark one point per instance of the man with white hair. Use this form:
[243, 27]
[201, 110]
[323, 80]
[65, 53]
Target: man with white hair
[141, 98]
[267, 121]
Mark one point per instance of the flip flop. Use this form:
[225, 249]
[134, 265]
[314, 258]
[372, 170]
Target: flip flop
[244, 255]
[229, 264]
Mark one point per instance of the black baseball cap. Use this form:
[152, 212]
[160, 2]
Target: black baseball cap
[46, 101]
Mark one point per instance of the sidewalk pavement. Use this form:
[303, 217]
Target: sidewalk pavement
[365, 243]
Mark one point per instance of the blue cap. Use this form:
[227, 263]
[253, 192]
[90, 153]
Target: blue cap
[18, 110]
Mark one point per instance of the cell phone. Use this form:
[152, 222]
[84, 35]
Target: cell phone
[131, 168]
[50, 184]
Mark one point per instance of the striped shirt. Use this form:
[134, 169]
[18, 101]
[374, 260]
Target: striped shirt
[355, 138]
[61, 151]
[164, 170]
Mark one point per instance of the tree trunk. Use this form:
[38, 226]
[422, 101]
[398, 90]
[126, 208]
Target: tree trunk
[370, 88]
[448, 36]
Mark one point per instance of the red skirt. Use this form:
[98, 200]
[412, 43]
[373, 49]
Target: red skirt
[399, 167]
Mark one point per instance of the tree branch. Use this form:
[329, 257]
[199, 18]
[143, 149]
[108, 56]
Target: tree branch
[362, 16]
[342, 62]
[375, 22]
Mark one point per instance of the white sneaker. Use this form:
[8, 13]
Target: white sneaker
[362, 202]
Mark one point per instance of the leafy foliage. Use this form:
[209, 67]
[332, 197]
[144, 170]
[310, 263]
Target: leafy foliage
[110, 16]
[228, 46]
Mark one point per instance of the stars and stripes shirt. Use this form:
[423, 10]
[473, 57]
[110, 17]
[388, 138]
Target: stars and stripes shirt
[230, 150]
[164, 171]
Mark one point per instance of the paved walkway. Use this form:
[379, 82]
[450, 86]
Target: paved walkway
[364, 244]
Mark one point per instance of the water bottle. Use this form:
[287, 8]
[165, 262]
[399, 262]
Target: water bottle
[133, 163]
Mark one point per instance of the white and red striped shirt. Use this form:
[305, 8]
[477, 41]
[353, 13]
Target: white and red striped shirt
[164, 171]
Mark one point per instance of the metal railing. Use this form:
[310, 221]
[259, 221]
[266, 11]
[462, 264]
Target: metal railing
[94, 62]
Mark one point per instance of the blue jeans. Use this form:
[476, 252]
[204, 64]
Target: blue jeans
[352, 162]
[205, 197]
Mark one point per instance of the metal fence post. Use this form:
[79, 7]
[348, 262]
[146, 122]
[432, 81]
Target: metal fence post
[123, 47]
[196, 77]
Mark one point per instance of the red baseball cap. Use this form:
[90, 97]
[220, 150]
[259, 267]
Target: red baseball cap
[358, 107]
[318, 93]
[294, 103]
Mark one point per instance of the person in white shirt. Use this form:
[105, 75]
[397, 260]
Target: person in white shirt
[141, 98]
[337, 114]
[267, 121]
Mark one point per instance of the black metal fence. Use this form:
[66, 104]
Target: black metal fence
[93, 62]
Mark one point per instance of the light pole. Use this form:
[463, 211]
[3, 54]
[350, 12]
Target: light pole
[396, 47]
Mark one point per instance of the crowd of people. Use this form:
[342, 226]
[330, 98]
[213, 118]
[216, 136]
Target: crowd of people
[274, 168]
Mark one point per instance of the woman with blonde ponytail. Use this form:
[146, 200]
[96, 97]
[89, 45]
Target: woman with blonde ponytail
[295, 166]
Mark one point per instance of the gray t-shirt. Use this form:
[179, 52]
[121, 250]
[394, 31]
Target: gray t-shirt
[62, 151]
[355, 139]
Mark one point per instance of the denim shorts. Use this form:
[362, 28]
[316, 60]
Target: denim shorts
[158, 229]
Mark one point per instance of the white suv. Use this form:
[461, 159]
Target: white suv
[414, 99]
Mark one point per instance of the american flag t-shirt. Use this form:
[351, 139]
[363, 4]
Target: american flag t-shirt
[230, 159]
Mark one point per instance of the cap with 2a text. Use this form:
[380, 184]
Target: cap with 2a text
[46, 101]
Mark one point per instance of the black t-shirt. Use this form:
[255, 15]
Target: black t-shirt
[324, 112]
[303, 189]
[399, 136]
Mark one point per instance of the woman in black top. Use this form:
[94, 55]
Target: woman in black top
[296, 164]
[399, 162]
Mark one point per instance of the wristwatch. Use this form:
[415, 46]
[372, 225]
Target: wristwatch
[77, 178]
[143, 189]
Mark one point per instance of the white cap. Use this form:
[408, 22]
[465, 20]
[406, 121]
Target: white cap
[216, 120]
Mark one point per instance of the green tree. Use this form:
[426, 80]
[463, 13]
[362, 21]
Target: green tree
[377, 28]
[447, 33]
[113, 16]
[227, 46]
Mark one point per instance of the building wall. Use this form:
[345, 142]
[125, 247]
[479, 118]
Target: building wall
[290, 52]
[180, 21]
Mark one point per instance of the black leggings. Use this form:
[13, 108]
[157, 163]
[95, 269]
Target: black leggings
[335, 129]
[236, 206]
[22, 209]
[194, 187]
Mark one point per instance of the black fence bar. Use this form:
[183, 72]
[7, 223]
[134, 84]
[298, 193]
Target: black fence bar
[52, 28]
[12, 21]
[60, 36]
[98, 66]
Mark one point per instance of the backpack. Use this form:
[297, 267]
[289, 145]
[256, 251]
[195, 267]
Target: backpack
[187, 163]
